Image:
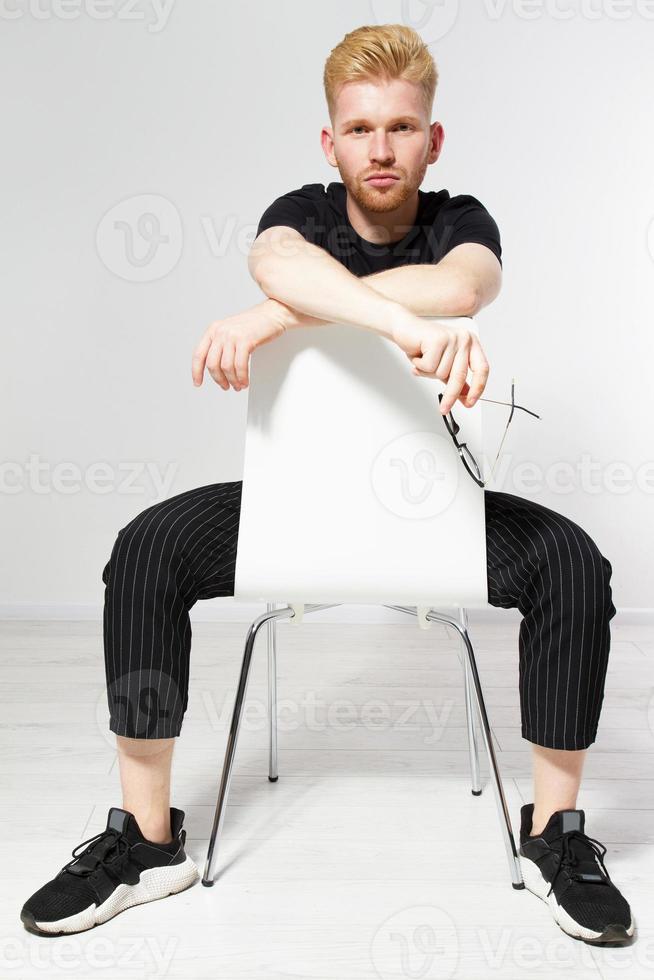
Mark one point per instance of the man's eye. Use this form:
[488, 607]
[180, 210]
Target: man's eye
[404, 125]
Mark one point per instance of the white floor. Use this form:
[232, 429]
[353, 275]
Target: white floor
[369, 857]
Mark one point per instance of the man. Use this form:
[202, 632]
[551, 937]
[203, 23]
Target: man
[377, 252]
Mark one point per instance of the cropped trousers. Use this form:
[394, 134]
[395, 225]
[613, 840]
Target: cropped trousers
[184, 549]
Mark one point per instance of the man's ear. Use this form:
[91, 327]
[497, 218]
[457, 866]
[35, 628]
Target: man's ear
[327, 143]
[437, 137]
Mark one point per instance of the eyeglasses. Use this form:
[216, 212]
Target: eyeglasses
[467, 458]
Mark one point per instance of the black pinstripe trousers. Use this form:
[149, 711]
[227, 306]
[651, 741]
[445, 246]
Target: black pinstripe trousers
[184, 549]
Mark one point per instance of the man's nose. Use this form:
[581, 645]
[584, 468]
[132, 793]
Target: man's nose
[381, 149]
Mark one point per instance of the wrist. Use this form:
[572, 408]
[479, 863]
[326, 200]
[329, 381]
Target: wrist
[280, 314]
[287, 317]
[399, 319]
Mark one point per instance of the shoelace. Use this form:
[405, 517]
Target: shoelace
[107, 849]
[571, 855]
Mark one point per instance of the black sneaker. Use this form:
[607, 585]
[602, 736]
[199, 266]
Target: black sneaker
[118, 868]
[564, 867]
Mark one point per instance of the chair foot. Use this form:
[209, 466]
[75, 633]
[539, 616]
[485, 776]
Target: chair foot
[273, 779]
[207, 883]
[517, 887]
[476, 792]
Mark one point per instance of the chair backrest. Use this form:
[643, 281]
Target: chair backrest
[353, 490]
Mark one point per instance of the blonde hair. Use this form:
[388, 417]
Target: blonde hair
[384, 51]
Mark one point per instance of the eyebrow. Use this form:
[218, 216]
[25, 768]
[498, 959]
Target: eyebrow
[362, 122]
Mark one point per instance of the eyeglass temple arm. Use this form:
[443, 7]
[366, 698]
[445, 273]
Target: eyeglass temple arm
[510, 406]
[506, 428]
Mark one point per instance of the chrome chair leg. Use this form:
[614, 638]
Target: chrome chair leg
[272, 695]
[503, 810]
[473, 748]
[286, 612]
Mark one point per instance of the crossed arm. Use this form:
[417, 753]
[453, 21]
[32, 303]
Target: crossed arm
[306, 286]
[318, 287]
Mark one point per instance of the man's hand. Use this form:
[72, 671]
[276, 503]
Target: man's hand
[446, 353]
[226, 345]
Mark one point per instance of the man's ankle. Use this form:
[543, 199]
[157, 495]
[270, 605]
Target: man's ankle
[538, 825]
[155, 828]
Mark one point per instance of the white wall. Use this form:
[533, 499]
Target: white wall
[214, 110]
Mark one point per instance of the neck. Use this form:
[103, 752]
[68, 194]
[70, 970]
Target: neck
[382, 227]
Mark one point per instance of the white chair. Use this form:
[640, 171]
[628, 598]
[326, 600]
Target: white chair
[353, 492]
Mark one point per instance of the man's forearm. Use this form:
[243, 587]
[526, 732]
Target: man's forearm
[418, 293]
[425, 290]
[314, 285]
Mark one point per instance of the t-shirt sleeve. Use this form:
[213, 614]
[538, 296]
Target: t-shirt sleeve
[469, 221]
[297, 209]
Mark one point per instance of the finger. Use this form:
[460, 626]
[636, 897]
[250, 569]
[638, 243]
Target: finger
[436, 375]
[440, 368]
[241, 360]
[456, 380]
[428, 361]
[463, 394]
[480, 370]
[213, 365]
[227, 365]
[199, 358]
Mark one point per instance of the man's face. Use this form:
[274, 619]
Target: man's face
[381, 127]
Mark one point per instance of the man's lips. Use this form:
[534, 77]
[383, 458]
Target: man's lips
[381, 180]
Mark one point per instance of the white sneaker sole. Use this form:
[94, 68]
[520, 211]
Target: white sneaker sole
[534, 881]
[153, 884]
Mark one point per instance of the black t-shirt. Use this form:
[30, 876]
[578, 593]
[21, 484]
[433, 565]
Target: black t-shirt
[442, 222]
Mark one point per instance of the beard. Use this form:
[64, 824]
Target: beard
[380, 200]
